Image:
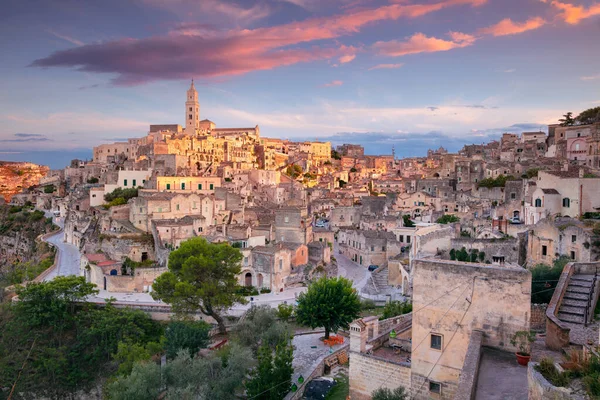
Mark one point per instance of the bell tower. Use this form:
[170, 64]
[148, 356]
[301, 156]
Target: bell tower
[192, 111]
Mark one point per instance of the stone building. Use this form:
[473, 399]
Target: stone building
[368, 247]
[552, 238]
[293, 224]
[434, 351]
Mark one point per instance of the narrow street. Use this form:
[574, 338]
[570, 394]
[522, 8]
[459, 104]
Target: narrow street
[69, 257]
[347, 268]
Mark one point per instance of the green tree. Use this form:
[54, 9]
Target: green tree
[49, 189]
[143, 383]
[186, 335]
[329, 302]
[389, 394]
[407, 221]
[260, 327]
[589, 116]
[544, 279]
[447, 219]
[121, 193]
[293, 171]
[128, 354]
[285, 311]
[93, 179]
[202, 276]
[272, 378]
[394, 308]
[52, 303]
[567, 119]
[336, 155]
[532, 172]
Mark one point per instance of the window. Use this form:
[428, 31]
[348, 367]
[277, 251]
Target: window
[544, 250]
[199, 186]
[212, 186]
[286, 219]
[573, 238]
[382, 248]
[182, 185]
[190, 109]
[513, 195]
[141, 209]
[538, 202]
[190, 116]
[436, 341]
[572, 255]
[372, 248]
[566, 202]
[280, 264]
[168, 186]
[407, 238]
[134, 183]
[576, 146]
[177, 207]
[402, 238]
[435, 387]
[200, 229]
[125, 182]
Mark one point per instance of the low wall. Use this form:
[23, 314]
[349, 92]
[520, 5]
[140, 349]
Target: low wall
[540, 389]
[557, 333]
[317, 372]
[467, 382]
[41, 277]
[509, 248]
[369, 373]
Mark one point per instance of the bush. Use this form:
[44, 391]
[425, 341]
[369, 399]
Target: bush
[93, 179]
[552, 375]
[394, 308]
[285, 311]
[247, 291]
[447, 219]
[119, 201]
[500, 181]
[49, 189]
[265, 290]
[407, 222]
[544, 280]
[389, 394]
[121, 193]
[186, 335]
[367, 304]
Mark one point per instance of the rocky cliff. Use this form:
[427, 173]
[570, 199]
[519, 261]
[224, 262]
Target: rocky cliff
[16, 176]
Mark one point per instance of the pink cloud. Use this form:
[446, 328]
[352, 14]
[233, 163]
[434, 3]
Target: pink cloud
[420, 43]
[573, 14]
[386, 66]
[234, 52]
[333, 83]
[508, 27]
[347, 58]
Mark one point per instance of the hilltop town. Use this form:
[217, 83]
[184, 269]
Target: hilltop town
[454, 234]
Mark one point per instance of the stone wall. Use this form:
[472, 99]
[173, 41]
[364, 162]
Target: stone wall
[538, 317]
[468, 376]
[509, 248]
[369, 373]
[540, 389]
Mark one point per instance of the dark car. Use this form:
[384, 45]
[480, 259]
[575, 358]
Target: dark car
[373, 267]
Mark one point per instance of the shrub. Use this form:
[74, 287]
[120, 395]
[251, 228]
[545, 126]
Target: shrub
[389, 394]
[552, 375]
[394, 308]
[265, 290]
[93, 179]
[447, 219]
[367, 304]
[49, 189]
[285, 311]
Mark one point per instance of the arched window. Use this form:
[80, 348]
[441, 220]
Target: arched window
[566, 202]
[538, 202]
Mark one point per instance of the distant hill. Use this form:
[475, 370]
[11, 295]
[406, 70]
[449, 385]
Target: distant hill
[16, 176]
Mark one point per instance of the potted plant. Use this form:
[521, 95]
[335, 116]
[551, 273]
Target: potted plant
[522, 340]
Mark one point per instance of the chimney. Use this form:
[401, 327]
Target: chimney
[581, 173]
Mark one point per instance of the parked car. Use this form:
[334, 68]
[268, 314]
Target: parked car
[515, 220]
[373, 267]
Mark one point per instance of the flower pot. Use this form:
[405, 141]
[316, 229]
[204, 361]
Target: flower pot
[523, 359]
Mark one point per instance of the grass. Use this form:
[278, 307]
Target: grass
[341, 390]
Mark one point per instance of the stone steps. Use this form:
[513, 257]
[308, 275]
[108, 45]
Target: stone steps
[578, 289]
[577, 319]
[574, 302]
[576, 296]
[572, 310]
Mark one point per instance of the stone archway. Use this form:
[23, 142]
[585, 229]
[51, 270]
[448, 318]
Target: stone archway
[248, 279]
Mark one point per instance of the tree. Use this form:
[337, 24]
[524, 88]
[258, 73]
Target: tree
[544, 279]
[388, 394]
[589, 116]
[447, 219]
[394, 308]
[143, 383]
[49, 189]
[186, 335]
[329, 302]
[407, 221]
[202, 276]
[260, 327]
[567, 119]
[285, 311]
[93, 179]
[52, 303]
[293, 171]
[272, 378]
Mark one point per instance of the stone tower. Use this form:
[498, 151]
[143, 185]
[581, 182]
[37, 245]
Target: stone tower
[192, 111]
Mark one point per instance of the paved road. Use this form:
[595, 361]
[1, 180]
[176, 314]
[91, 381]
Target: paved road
[347, 268]
[69, 257]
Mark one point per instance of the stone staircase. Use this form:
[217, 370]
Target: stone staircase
[378, 283]
[575, 301]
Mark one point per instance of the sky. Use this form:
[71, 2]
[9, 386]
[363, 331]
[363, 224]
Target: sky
[409, 74]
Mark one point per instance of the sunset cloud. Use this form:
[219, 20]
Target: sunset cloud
[233, 52]
[508, 27]
[420, 43]
[573, 14]
[387, 66]
[66, 38]
[334, 83]
[590, 77]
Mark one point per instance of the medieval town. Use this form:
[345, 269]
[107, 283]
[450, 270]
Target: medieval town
[469, 275]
